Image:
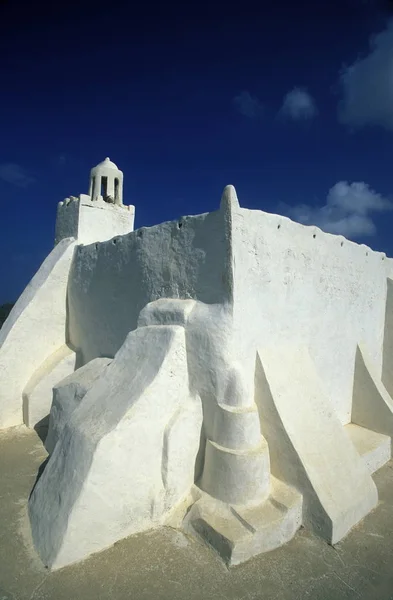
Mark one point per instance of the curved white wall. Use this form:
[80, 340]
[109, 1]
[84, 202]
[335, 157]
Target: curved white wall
[35, 329]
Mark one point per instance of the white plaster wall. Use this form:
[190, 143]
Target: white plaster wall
[67, 219]
[389, 266]
[111, 282]
[296, 283]
[100, 220]
[90, 221]
[324, 292]
[35, 328]
[236, 461]
[67, 395]
[123, 460]
[309, 448]
[37, 395]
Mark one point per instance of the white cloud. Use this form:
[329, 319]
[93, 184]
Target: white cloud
[346, 212]
[248, 105]
[298, 105]
[15, 175]
[367, 85]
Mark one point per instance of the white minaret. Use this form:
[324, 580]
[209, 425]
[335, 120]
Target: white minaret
[106, 183]
[99, 216]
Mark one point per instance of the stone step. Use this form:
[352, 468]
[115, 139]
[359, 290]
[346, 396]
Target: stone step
[238, 533]
[374, 448]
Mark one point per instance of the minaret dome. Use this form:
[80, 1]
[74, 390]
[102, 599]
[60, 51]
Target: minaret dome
[106, 183]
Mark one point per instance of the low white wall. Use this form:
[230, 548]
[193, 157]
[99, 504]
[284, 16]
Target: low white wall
[35, 328]
[290, 283]
[111, 282]
[296, 283]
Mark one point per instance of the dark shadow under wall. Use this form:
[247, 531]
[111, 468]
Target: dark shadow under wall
[41, 428]
[41, 469]
[5, 310]
[200, 458]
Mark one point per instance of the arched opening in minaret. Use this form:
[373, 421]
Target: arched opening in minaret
[94, 187]
[116, 189]
[104, 187]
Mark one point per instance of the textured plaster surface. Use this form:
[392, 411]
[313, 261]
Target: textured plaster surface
[180, 259]
[287, 282]
[37, 395]
[256, 280]
[126, 456]
[308, 445]
[34, 330]
[212, 290]
[100, 221]
[310, 288]
[373, 448]
[236, 457]
[238, 533]
[67, 396]
[92, 221]
[67, 219]
[168, 565]
[372, 406]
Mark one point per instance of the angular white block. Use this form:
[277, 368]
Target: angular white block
[308, 446]
[124, 458]
[68, 394]
[373, 448]
[238, 533]
[372, 406]
[34, 330]
[235, 458]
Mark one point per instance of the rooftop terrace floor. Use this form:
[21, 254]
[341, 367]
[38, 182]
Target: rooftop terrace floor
[166, 565]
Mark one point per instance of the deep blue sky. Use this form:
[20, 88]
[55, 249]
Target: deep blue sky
[187, 98]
